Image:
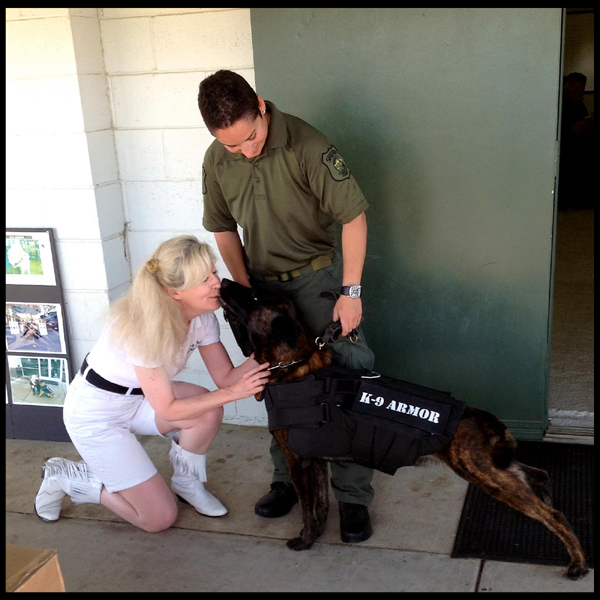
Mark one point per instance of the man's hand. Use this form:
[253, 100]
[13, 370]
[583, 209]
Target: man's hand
[349, 312]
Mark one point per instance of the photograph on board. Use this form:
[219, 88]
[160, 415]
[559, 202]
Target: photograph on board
[38, 380]
[29, 258]
[34, 327]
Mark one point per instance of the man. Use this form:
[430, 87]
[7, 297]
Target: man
[286, 185]
[576, 146]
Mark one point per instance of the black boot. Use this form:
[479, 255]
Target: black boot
[355, 524]
[278, 501]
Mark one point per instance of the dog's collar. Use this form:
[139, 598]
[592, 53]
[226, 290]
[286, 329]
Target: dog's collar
[282, 365]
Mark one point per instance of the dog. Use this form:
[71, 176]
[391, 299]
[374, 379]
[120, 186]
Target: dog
[481, 451]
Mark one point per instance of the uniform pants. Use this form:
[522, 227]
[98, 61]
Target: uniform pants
[350, 482]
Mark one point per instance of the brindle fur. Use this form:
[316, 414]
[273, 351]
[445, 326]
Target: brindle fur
[482, 450]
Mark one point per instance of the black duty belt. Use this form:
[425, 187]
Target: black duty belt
[379, 422]
[108, 386]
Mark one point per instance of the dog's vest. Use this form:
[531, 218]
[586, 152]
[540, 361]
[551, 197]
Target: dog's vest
[377, 421]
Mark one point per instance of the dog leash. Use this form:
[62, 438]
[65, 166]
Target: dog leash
[332, 334]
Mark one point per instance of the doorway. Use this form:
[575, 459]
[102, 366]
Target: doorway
[571, 391]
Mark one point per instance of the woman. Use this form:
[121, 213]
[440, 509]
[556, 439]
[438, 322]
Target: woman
[154, 328]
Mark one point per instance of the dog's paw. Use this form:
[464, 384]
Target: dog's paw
[576, 571]
[299, 544]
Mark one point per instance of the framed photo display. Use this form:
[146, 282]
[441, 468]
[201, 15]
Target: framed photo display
[38, 355]
[29, 259]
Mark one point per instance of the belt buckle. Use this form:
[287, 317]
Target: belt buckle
[320, 262]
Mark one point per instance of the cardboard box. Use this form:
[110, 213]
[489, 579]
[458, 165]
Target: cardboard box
[32, 570]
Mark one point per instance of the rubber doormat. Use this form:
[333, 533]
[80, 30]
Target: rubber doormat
[491, 530]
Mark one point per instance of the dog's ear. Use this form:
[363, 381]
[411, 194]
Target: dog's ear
[284, 328]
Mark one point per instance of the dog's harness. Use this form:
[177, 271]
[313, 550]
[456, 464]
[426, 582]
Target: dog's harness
[374, 420]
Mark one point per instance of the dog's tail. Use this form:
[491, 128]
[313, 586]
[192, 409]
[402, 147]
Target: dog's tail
[504, 447]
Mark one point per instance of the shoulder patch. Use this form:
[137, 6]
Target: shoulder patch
[336, 165]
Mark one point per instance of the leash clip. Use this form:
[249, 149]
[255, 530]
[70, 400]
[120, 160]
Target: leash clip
[332, 335]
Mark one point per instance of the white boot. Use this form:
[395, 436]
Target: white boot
[187, 483]
[62, 477]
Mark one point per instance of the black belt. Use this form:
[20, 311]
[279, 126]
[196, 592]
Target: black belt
[98, 381]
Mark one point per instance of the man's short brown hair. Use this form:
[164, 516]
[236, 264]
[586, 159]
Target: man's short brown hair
[224, 98]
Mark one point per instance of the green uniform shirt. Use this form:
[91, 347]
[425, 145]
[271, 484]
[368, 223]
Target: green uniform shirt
[286, 200]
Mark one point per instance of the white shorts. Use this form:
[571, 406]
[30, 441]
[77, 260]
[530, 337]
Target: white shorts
[103, 426]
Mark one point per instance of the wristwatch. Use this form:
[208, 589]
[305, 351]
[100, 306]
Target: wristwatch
[353, 291]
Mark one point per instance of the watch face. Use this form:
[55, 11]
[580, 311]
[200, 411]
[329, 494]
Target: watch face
[354, 291]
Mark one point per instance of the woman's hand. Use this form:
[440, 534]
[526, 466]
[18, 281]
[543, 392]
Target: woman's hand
[250, 383]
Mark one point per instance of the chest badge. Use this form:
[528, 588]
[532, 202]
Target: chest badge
[336, 165]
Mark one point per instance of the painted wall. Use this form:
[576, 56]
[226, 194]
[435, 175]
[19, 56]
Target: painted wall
[61, 165]
[105, 144]
[448, 120]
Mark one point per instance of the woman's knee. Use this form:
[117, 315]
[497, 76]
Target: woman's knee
[212, 419]
[150, 505]
[216, 415]
[160, 521]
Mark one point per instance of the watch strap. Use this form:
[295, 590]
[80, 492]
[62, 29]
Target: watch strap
[347, 289]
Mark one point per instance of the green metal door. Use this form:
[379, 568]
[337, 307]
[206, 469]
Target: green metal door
[448, 120]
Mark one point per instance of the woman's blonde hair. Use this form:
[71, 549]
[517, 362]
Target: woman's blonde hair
[147, 322]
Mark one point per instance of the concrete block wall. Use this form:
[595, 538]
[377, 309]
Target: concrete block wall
[61, 161]
[155, 60]
[124, 114]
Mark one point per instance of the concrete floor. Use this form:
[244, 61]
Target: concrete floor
[415, 515]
